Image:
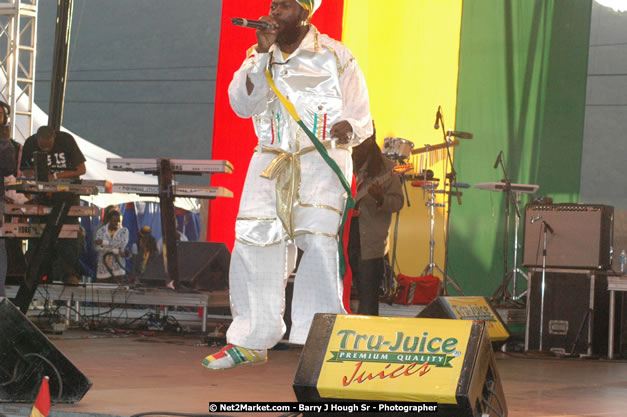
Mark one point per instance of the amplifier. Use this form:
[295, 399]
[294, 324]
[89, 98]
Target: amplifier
[581, 238]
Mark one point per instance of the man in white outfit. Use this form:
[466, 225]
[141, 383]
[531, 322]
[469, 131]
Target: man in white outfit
[291, 198]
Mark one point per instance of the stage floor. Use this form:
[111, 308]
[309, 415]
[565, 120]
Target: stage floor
[136, 374]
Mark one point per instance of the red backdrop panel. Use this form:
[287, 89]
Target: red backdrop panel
[234, 138]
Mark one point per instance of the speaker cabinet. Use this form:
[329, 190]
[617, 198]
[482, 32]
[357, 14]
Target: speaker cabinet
[576, 313]
[582, 235]
[370, 358]
[26, 356]
[202, 266]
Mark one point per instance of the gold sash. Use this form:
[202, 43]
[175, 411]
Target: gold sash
[286, 169]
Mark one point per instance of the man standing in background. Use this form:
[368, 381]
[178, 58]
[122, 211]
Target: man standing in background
[8, 166]
[379, 195]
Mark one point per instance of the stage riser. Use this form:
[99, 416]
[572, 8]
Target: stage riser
[202, 266]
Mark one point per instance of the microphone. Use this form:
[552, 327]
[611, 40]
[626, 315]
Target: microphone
[461, 135]
[548, 227]
[254, 24]
[436, 125]
[535, 219]
[498, 159]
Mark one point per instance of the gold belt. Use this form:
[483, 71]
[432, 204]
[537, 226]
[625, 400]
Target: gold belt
[285, 167]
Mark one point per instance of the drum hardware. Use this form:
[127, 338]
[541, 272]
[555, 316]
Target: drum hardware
[461, 135]
[431, 188]
[397, 149]
[513, 197]
[516, 190]
[429, 148]
[424, 175]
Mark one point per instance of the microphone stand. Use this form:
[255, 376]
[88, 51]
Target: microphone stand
[502, 289]
[452, 182]
[543, 285]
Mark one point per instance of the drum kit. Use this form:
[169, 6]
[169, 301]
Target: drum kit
[400, 150]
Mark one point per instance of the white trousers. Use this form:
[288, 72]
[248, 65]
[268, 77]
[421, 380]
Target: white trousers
[258, 276]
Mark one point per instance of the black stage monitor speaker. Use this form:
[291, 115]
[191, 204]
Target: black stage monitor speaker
[582, 235]
[468, 308]
[202, 266]
[26, 356]
[576, 313]
[367, 358]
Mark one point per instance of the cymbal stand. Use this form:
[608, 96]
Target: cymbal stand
[513, 273]
[430, 188]
[502, 292]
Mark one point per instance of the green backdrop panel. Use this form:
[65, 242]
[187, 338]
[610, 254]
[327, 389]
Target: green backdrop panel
[521, 90]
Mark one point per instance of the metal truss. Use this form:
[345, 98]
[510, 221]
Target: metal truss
[18, 40]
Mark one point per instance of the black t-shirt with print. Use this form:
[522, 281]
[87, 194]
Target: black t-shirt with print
[64, 155]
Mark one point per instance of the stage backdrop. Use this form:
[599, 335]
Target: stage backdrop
[512, 73]
[408, 53]
[522, 88]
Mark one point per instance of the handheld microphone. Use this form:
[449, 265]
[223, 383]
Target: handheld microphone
[498, 159]
[254, 24]
[461, 135]
[436, 125]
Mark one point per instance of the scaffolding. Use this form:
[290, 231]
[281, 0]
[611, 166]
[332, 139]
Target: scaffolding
[18, 40]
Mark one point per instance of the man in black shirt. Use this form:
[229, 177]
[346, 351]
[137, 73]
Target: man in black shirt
[65, 161]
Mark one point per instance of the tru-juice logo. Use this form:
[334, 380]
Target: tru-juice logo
[472, 312]
[402, 356]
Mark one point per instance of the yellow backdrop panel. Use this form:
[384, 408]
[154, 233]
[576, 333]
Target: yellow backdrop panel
[408, 51]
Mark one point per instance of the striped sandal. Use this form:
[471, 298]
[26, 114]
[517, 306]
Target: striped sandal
[231, 356]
